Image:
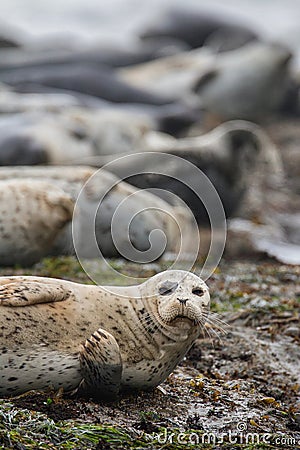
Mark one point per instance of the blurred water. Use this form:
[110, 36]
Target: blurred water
[118, 19]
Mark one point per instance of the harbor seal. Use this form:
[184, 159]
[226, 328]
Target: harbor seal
[103, 197]
[173, 119]
[199, 28]
[32, 138]
[174, 76]
[33, 213]
[100, 340]
[88, 79]
[99, 54]
[248, 83]
[237, 156]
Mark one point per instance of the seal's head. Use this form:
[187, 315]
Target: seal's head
[181, 298]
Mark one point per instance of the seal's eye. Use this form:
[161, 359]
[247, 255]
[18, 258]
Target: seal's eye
[198, 291]
[167, 288]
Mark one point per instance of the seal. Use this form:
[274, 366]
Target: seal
[173, 119]
[235, 156]
[102, 55]
[248, 83]
[33, 138]
[96, 339]
[23, 203]
[14, 102]
[87, 79]
[174, 76]
[198, 28]
[33, 213]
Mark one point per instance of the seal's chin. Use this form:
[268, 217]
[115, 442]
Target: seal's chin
[182, 320]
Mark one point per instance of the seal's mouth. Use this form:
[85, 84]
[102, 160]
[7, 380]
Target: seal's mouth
[181, 318]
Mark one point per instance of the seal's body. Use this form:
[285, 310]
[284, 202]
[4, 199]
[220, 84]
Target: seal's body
[33, 214]
[101, 339]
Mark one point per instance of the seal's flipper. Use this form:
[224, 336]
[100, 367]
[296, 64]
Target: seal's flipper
[101, 365]
[24, 293]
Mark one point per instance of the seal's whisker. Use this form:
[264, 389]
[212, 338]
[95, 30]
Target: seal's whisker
[210, 329]
[201, 325]
[217, 323]
[213, 334]
[217, 318]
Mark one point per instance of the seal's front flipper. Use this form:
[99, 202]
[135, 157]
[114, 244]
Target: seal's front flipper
[25, 293]
[101, 365]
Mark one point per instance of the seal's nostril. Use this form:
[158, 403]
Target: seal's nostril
[182, 301]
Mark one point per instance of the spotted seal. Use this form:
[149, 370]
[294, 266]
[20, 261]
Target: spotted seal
[28, 138]
[248, 83]
[235, 156]
[27, 220]
[199, 28]
[87, 79]
[100, 340]
[33, 213]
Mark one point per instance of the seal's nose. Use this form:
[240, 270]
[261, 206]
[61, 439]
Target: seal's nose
[182, 301]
